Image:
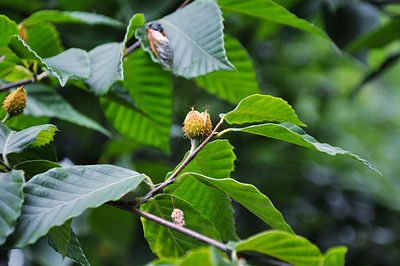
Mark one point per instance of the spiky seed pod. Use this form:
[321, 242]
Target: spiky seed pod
[15, 102]
[178, 217]
[197, 125]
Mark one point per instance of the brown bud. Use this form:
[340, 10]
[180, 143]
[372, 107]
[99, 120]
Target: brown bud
[15, 102]
[22, 32]
[197, 125]
[178, 217]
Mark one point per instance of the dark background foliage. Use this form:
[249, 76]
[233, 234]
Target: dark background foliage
[330, 200]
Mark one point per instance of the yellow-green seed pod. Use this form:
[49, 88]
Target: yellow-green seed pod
[197, 125]
[15, 102]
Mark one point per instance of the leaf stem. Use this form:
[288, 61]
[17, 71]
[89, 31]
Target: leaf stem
[188, 159]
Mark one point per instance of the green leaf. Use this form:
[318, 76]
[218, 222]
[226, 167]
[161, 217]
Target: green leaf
[216, 160]
[18, 73]
[56, 16]
[335, 256]
[7, 28]
[16, 141]
[74, 250]
[247, 195]
[135, 22]
[70, 63]
[66, 193]
[46, 152]
[106, 66]
[60, 236]
[269, 10]
[296, 135]
[196, 37]
[167, 243]
[204, 256]
[43, 100]
[147, 122]
[35, 167]
[195, 257]
[11, 199]
[259, 108]
[284, 246]
[44, 39]
[106, 60]
[377, 38]
[230, 85]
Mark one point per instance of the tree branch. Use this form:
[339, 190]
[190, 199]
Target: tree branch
[191, 233]
[189, 158]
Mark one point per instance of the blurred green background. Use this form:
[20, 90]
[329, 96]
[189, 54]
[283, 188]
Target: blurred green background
[330, 200]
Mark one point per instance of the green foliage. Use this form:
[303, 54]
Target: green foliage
[44, 39]
[335, 256]
[269, 10]
[74, 250]
[7, 28]
[260, 108]
[249, 196]
[194, 32]
[232, 86]
[216, 160]
[11, 200]
[168, 243]
[55, 16]
[60, 236]
[378, 37]
[284, 246]
[44, 101]
[15, 142]
[35, 167]
[66, 193]
[296, 135]
[148, 120]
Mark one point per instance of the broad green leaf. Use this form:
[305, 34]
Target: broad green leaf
[6, 67]
[56, 16]
[335, 256]
[43, 100]
[249, 196]
[106, 60]
[296, 135]
[148, 121]
[18, 73]
[46, 152]
[11, 199]
[216, 160]
[106, 66]
[196, 37]
[135, 22]
[70, 63]
[232, 85]
[44, 39]
[74, 250]
[60, 236]
[16, 141]
[7, 28]
[379, 37]
[21, 122]
[259, 108]
[35, 167]
[285, 246]
[209, 256]
[167, 243]
[66, 193]
[204, 256]
[269, 10]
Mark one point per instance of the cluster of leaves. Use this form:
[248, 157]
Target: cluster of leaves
[135, 95]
